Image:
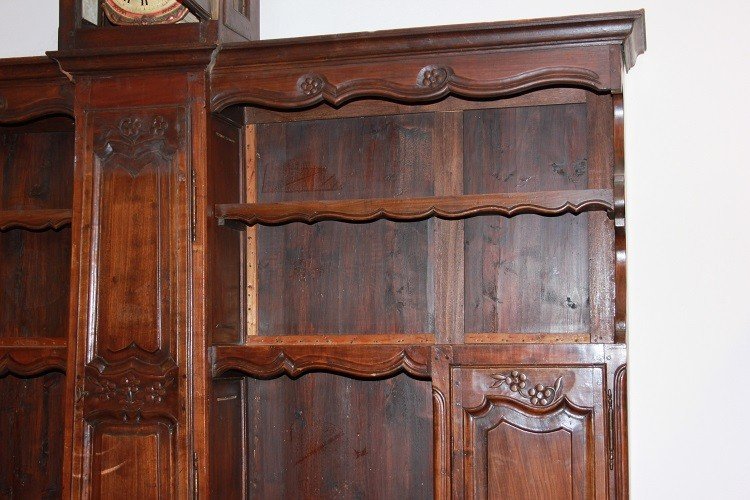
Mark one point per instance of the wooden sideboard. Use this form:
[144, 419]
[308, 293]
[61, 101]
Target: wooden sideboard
[382, 265]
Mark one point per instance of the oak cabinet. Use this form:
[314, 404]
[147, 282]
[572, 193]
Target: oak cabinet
[385, 265]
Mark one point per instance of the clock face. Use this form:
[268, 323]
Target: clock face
[140, 12]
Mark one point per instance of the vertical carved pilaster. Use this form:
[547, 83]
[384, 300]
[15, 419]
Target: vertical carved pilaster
[137, 301]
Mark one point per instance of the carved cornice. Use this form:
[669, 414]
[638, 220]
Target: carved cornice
[35, 220]
[80, 62]
[622, 28]
[368, 362]
[472, 61]
[431, 83]
[42, 69]
[31, 87]
[31, 361]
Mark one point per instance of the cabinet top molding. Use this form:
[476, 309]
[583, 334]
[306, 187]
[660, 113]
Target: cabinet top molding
[616, 28]
[475, 61]
[16, 69]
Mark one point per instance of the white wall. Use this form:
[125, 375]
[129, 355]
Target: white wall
[688, 185]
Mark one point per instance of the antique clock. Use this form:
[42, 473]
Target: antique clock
[86, 24]
[140, 12]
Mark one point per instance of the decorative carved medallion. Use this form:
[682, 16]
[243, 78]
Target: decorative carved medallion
[432, 77]
[538, 395]
[311, 85]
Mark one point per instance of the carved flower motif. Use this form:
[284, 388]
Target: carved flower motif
[433, 77]
[105, 390]
[130, 127]
[155, 392]
[311, 85]
[159, 126]
[130, 388]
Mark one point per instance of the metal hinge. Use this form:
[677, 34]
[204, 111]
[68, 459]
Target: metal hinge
[195, 474]
[611, 415]
[80, 394]
[193, 205]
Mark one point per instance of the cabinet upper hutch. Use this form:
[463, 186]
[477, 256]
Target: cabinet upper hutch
[380, 265]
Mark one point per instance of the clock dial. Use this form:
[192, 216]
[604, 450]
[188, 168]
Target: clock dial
[144, 11]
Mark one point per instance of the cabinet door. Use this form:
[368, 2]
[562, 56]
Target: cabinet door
[529, 433]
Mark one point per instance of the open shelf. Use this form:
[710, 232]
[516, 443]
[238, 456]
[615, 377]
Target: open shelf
[547, 203]
[36, 193]
[31, 357]
[35, 220]
[361, 361]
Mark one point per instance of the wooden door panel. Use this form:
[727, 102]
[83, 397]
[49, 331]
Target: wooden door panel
[529, 433]
[131, 462]
[511, 453]
[139, 237]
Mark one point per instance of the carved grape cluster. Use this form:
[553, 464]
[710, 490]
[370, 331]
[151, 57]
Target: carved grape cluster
[433, 77]
[538, 395]
[311, 85]
[516, 381]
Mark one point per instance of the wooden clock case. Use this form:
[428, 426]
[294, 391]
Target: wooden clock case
[214, 21]
[382, 265]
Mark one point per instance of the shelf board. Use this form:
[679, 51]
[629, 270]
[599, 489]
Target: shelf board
[361, 361]
[30, 357]
[343, 339]
[35, 220]
[547, 203]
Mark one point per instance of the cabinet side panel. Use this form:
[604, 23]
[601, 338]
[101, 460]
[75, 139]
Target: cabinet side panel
[228, 439]
[224, 262]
